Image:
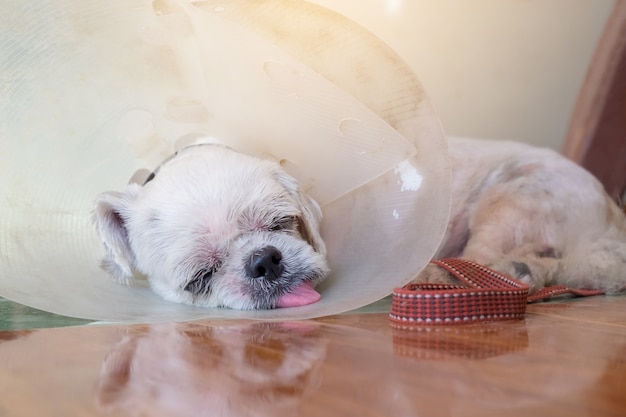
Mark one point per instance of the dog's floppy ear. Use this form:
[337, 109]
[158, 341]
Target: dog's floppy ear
[110, 215]
[309, 221]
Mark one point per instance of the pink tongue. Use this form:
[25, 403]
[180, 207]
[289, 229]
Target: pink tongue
[301, 296]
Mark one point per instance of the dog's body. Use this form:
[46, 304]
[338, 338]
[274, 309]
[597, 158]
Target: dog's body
[218, 228]
[534, 215]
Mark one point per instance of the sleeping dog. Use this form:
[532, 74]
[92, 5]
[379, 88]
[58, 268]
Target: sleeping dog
[217, 228]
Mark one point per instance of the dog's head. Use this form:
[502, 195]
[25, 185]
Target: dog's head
[216, 228]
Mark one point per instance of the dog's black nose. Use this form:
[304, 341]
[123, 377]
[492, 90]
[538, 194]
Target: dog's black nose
[265, 263]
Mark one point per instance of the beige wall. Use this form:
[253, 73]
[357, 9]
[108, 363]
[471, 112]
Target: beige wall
[506, 69]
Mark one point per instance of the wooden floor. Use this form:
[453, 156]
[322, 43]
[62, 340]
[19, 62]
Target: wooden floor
[564, 359]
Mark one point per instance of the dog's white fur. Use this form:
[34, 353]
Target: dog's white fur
[524, 211]
[193, 228]
[532, 214]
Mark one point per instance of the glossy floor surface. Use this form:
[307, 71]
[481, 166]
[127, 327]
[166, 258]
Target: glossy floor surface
[565, 359]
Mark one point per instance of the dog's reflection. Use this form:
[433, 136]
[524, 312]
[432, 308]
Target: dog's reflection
[225, 370]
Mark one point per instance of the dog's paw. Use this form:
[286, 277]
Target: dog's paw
[434, 274]
[518, 270]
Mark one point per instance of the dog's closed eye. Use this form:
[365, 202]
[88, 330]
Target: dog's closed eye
[201, 281]
[282, 224]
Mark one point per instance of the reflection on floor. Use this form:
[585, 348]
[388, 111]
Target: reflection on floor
[565, 358]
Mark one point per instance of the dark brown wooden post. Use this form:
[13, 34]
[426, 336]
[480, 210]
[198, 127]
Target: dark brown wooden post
[597, 132]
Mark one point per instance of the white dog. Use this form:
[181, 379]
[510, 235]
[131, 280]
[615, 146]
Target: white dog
[534, 215]
[216, 228]
[213, 227]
